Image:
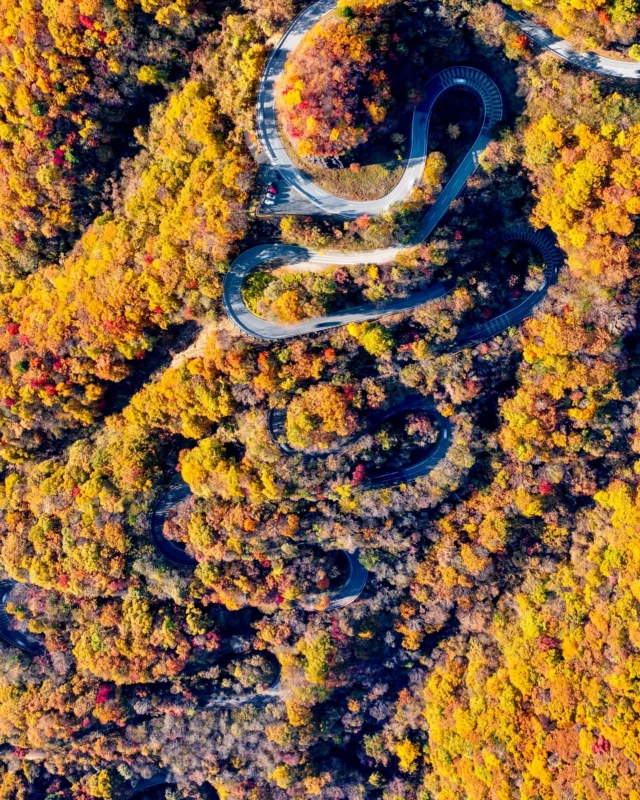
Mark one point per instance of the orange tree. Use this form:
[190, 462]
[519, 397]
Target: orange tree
[336, 89]
[73, 74]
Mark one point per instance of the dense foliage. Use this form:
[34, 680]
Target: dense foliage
[591, 24]
[352, 77]
[493, 653]
[73, 75]
[154, 260]
[336, 88]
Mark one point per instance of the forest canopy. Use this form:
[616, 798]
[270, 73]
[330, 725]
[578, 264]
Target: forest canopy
[394, 556]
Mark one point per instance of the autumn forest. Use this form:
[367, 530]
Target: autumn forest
[319, 402]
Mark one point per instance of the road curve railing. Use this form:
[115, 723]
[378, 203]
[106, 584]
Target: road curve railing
[544, 242]
[453, 77]
[28, 643]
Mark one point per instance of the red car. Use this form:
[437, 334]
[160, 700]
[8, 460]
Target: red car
[271, 194]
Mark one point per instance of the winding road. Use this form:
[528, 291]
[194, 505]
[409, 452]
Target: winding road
[454, 77]
[553, 257]
[430, 460]
[177, 493]
[353, 587]
[610, 67]
[27, 643]
[330, 204]
[451, 78]
[167, 500]
[408, 404]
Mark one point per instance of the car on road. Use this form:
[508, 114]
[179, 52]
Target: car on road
[271, 194]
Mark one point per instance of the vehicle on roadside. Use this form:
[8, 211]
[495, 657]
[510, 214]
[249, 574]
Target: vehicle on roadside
[271, 194]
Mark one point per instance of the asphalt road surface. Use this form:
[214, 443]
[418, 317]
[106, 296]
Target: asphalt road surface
[454, 77]
[353, 587]
[610, 67]
[25, 642]
[166, 502]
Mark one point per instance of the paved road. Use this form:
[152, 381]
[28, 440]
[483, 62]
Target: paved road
[353, 587]
[159, 779]
[433, 456]
[27, 643]
[565, 50]
[264, 329]
[171, 497]
[330, 204]
[407, 405]
[177, 557]
[247, 262]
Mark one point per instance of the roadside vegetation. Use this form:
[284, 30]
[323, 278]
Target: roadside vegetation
[600, 25]
[493, 651]
[348, 126]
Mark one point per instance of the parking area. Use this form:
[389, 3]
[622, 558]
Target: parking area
[285, 201]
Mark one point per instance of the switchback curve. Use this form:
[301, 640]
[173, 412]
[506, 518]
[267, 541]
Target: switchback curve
[175, 494]
[159, 779]
[271, 142]
[546, 245]
[247, 262]
[352, 588]
[377, 418]
[171, 497]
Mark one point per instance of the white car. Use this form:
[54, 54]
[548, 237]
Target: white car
[271, 194]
